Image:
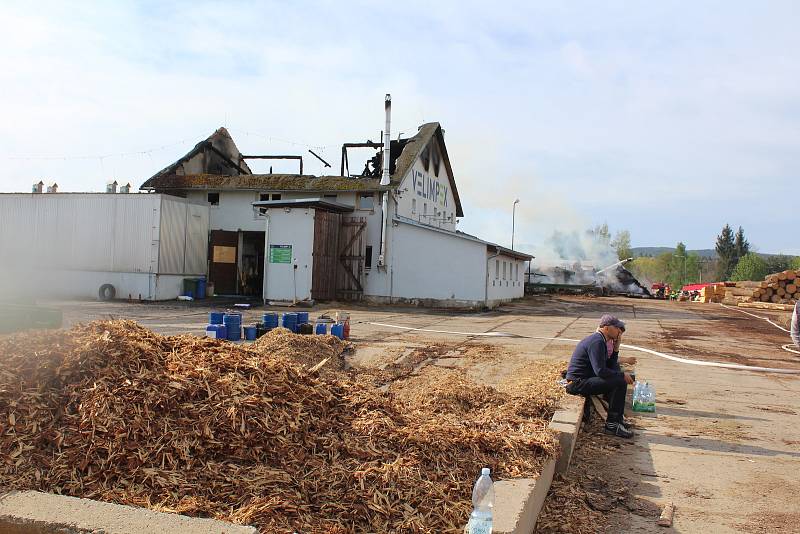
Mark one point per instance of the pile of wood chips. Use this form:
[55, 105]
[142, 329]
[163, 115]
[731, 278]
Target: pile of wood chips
[203, 427]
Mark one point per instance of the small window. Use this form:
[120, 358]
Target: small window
[276, 196]
[425, 208]
[263, 197]
[366, 201]
[213, 199]
[516, 276]
[504, 270]
[368, 258]
[413, 205]
[497, 268]
[330, 197]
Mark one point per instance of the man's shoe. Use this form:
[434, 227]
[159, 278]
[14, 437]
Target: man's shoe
[617, 429]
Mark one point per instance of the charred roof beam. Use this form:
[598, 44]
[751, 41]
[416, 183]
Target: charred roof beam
[280, 156]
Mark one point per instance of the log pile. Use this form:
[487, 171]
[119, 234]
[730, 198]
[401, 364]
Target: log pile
[114, 412]
[778, 288]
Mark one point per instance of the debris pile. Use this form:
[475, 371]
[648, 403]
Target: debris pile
[114, 412]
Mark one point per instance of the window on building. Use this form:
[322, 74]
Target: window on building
[516, 276]
[425, 208]
[330, 197]
[368, 258]
[213, 199]
[504, 270]
[276, 196]
[263, 197]
[413, 205]
[366, 201]
[497, 268]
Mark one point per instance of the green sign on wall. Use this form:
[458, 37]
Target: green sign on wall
[280, 253]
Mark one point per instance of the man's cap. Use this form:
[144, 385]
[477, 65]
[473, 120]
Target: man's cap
[610, 320]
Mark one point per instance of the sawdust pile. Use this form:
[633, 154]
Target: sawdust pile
[114, 412]
[306, 351]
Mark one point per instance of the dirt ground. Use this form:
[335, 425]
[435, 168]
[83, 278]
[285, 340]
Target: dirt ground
[723, 447]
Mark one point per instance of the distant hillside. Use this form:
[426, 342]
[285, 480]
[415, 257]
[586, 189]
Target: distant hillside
[703, 253]
[655, 251]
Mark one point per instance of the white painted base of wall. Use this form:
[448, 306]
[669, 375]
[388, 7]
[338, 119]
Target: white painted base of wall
[86, 285]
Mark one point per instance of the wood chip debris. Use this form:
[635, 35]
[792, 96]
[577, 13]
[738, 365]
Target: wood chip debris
[114, 412]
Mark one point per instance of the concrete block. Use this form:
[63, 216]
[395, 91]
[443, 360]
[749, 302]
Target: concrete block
[568, 415]
[32, 512]
[518, 502]
[567, 437]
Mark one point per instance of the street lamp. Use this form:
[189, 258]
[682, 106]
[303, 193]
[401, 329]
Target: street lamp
[513, 217]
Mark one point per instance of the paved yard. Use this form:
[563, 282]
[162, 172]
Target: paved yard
[725, 446]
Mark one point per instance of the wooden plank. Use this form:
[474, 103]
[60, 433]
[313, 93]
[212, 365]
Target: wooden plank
[666, 515]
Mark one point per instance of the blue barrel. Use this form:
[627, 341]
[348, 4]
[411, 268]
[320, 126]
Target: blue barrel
[233, 322]
[217, 331]
[215, 317]
[289, 321]
[270, 320]
[321, 329]
[201, 288]
[338, 330]
[250, 333]
[302, 317]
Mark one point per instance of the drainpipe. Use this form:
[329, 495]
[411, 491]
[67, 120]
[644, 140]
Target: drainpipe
[266, 258]
[486, 292]
[385, 179]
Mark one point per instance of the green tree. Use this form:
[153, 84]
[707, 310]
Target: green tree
[778, 263]
[622, 244]
[795, 263]
[741, 246]
[750, 267]
[601, 234]
[677, 266]
[693, 266]
[726, 251]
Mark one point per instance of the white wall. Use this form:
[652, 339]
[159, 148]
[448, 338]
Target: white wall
[69, 244]
[430, 264]
[291, 226]
[421, 190]
[509, 286]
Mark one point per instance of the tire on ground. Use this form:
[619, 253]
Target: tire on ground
[107, 292]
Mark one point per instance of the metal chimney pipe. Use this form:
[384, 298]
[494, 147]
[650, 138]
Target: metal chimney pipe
[387, 140]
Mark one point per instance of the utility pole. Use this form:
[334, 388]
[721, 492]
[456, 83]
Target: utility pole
[513, 217]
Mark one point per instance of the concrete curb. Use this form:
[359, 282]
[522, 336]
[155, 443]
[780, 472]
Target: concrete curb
[32, 512]
[566, 423]
[518, 502]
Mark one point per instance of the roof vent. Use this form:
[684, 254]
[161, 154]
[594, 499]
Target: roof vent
[125, 188]
[385, 178]
[111, 187]
[37, 187]
[52, 188]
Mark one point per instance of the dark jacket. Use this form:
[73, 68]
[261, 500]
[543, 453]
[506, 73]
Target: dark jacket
[591, 358]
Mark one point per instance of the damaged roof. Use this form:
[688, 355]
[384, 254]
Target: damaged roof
[262, 182]
[413, 149]
[219, 155]
[216, 163]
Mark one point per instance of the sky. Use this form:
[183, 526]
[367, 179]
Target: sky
[667, 119]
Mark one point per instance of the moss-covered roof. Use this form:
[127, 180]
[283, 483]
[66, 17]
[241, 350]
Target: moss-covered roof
[264, 182]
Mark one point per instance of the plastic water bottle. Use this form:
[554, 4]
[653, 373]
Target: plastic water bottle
[480, 521]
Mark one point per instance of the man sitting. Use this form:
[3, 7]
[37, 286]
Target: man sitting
[594, 369]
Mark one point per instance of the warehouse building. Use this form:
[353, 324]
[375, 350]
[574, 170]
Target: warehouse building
[387, 235]
[90, 245]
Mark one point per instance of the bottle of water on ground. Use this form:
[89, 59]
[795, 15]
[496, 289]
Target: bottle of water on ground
[480, 521]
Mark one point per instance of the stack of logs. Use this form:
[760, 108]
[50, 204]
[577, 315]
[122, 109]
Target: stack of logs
[781, 289]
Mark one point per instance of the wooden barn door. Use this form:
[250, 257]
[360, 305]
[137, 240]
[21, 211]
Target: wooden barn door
[325, 255]
[352, 247]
